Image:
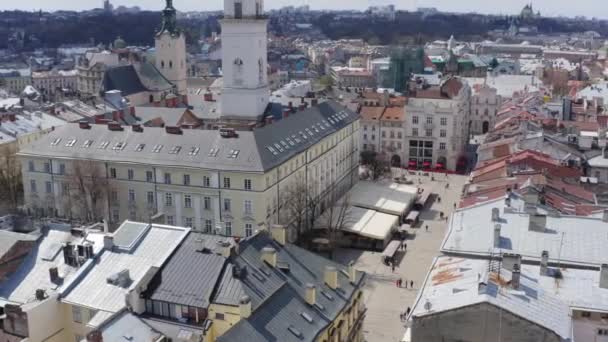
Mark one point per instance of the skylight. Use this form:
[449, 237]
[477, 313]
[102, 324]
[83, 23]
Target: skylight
[56, 141]
[213, 152]
[157, 148]
[295, 331]
[119, 146]
[175, 150]
[194, 151]
[278, 147]
[272, 150]
[140, 147]
[233, 154]
[103, 145]
[71, 143]
[87, 144]
[306, 316]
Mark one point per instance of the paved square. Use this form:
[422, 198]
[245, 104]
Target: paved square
[384, 300]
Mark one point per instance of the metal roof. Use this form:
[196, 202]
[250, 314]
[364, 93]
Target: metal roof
[259, 150]
[92, 289]
[128, 327]
[189, 277]
[570, 239]
[9, 239]
[453, 283]
[123, 78]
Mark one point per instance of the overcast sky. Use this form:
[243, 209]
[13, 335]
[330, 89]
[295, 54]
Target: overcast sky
[570, 8]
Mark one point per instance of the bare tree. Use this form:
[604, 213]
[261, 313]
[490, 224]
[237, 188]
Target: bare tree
[90, 188]
[10, 178]
[336, 218]
[300, 204]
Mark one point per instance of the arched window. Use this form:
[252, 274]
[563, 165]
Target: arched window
[162, 64]
[170, 64]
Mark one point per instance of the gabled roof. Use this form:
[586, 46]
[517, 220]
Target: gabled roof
[258, 151]
[278, 296]
[123, 78]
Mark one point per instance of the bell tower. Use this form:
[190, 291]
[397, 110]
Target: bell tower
[246, 93]
[170, 46]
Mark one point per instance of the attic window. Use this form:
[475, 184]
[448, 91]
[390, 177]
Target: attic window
[140, 147]
[327, 295]
[157, 148]
[306, 316]
[285, 145]
[119, 146]
[175, 150]
[194, 151]
[290, 142]
[272, 150]
[71, 143]
[87, 144]
[233, 154]
[295, 331]
[213, 152]
[56, 142]
[103, 145]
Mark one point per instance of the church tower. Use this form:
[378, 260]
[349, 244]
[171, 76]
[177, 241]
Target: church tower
[246, 93]
[170, 45]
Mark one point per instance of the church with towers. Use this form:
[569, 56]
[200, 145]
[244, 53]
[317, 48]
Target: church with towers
[170, 46]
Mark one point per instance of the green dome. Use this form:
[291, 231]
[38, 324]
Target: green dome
[119, 43]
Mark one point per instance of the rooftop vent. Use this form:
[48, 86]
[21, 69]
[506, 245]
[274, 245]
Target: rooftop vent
[495, 214]
[40, 294]
[228, 133]
[538, 222]
[114, 126]
[515, 276]
[122, 279]
[311, 294]
[544, 263]
[137, 128]
[497, 229]
[54, 275]
[509, 260]
[173, 130]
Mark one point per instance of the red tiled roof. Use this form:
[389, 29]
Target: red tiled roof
[573, 190]
[371, 113]
[581, 125]
[393, 114]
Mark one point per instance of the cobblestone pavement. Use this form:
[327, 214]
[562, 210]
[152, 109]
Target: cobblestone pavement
[384, 300]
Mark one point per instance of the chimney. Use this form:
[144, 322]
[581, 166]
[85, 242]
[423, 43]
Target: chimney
[509, 260]
[605, 216]
[269, 256]
[108, 242]
[173, 130]
[495, 214]
[68, 254]
[515, 276]
[245, 306]
[54, 274]
[352, 272]
[497, 228]
[604, 276]
[538, 222]
[95, 336]
[311, 294]
[279, 233]
[331, 277]
[225, 248]
[544, 262]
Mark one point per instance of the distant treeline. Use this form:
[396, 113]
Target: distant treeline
[54, 31]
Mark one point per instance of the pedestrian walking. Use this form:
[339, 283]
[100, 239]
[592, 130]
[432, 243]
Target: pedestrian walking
[397, 282]
[412, 284]
[454, 205]
[400, 282]
[393, 267]
[427, 227]
[438, 199]
[401, 314]
[407, 312]
[404, 246]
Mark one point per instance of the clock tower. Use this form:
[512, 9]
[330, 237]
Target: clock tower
[170, 46]
[245, 94]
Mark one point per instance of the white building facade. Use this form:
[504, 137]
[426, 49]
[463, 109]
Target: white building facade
[244, 60]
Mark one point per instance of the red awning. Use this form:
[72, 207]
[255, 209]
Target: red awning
[426, 163]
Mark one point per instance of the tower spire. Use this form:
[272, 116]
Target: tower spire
[169, 23]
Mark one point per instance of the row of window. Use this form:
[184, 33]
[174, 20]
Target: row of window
[247, 184]
[429, 120]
